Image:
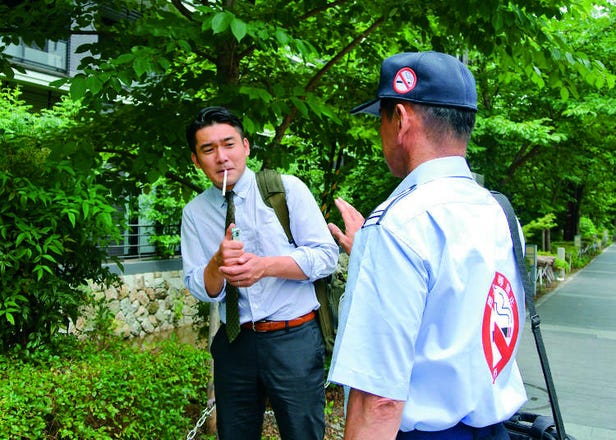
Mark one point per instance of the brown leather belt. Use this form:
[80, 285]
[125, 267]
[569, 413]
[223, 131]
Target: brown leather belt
[272, 326]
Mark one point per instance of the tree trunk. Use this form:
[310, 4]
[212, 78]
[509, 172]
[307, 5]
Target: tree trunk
[572, 216]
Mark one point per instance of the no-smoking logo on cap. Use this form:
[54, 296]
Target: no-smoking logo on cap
[404, 81]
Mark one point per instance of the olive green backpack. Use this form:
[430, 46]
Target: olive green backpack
[273, 194]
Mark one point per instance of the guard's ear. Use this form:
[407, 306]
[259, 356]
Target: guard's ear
[403, 113]
[399, 111]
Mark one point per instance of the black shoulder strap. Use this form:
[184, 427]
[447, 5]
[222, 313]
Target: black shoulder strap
[534, 317]
[273, 194]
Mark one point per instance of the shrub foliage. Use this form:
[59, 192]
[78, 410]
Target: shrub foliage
[90, 392]
[49, 247]
[54, 221]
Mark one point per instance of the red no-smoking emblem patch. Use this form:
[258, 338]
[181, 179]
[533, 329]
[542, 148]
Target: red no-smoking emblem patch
[404, 81]
[501, 325]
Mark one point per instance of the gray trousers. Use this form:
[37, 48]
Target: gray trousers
[284, 367]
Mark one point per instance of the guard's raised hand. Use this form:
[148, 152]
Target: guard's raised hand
[353, 220]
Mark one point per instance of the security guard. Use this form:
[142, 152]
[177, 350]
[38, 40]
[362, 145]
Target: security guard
[434, 306]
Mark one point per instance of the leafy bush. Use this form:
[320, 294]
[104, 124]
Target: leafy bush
[50, 245]
[561, 265]
[546, 222]
[162, 205]
[587, 229]
[574, 258]
[85, 391]
[53, 220]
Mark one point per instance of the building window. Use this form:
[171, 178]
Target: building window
[53, 56]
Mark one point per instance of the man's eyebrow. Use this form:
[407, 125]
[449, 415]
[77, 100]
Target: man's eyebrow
[209, 144]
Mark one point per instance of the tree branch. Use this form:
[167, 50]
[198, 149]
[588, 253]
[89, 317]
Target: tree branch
[282, 128]
[324, 8]
[182, 9]
[174, 177]
[313, 82]
[519, 160]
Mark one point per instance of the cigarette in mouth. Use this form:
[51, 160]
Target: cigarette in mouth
[224, 183]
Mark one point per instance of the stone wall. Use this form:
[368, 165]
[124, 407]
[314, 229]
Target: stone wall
[143, 304]
[152, 298]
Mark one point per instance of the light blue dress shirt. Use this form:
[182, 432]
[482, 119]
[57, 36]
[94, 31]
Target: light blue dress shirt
[414, 319]
[316, 252]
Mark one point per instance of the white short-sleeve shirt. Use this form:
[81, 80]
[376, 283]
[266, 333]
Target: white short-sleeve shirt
[434, 305]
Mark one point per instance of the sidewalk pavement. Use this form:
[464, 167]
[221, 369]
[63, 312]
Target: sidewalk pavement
[578, 325]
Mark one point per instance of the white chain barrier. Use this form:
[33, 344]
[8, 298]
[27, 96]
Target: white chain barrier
[204, 415]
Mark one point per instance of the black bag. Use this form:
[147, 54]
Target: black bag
[525, 425]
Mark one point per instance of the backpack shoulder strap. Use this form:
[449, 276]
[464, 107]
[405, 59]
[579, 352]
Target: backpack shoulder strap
[273, 194]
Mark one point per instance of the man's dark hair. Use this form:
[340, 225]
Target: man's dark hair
[438, 119]
[210, 116]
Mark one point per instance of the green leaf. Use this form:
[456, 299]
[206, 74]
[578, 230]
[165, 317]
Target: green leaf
[49, 258]
[564, 93]
[164, 63]
[238, 28]
[124, 58]
[21, 237]
[301, 105]
[59, 82]
[256, 93]
[71, 217]
[185, 45]
[282, 37]
[125, 76]
[140, 66]
[78, 87]
[94, 84]
[221, 21]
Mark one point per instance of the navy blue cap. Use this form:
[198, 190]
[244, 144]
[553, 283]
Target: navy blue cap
[432, 78]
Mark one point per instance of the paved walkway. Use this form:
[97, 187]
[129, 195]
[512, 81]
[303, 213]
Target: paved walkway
[578, 324]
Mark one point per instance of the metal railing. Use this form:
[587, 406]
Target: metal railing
[143, 241]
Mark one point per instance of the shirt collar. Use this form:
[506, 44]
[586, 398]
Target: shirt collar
[451, 166]
[241, 187]
[244, 183]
